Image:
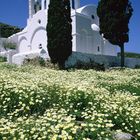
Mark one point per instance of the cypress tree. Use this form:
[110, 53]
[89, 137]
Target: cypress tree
[59, 31]
[114, 16]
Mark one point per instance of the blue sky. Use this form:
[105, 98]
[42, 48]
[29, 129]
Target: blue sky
[15, 12]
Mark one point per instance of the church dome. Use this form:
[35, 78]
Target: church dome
[89, 11]
[95, 27]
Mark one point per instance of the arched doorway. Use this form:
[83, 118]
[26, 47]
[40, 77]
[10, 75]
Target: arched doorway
[23, 45]
[39, 39]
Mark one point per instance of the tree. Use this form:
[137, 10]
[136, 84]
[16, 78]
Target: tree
[8, 30]
[114, 16]
[59, 31]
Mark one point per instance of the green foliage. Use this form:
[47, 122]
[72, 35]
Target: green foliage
[89, 65]
[131, 55]
[3, 59]
[8, 30]
[9, 45]
[39, 61]
[38, 103]
[137, 67]
[59, 31]
[114, 16]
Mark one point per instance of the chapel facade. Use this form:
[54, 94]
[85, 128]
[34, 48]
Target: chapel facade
[85, 31]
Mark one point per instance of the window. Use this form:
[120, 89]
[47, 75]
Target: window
[73, 4]
[37, 6]
[92, 16]
[39, 21]
[45, 4]
[40, 46]
[98, 49]
[35, 9]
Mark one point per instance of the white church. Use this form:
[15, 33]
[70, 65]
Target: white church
[85, 31]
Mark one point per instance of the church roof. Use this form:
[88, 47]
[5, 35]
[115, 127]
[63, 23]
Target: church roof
[86, 7]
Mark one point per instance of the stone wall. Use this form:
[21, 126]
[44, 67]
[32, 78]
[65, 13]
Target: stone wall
[108, 61]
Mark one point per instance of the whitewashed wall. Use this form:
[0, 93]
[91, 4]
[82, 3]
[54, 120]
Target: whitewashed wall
[85, 32]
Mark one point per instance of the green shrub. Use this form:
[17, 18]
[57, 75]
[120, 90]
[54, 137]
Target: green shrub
[39, 61]
[9, 45]
[137, 67]
[3, 59]
[89, 65]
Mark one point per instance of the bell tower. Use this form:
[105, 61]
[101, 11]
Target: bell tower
[36, 5]
[31, 8]
[75, 4]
